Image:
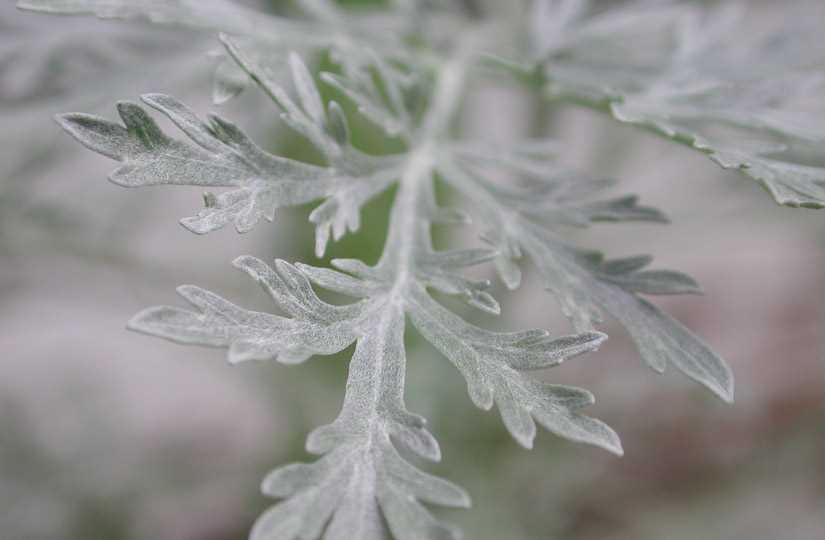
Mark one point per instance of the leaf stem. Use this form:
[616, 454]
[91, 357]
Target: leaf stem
[409, 228]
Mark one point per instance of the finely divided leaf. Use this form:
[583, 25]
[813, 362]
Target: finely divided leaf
[492, 364]
[528, 220]
[700, 76]
[220, 155]
[361, 475]
[314, 328]
[648, 63]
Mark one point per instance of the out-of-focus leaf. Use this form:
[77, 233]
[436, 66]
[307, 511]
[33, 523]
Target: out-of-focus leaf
[529, 220]
[700, 75]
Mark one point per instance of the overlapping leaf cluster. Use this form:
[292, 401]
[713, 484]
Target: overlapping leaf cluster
[410, 86]
[694, 73]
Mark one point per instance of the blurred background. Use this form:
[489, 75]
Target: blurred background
[106, 434]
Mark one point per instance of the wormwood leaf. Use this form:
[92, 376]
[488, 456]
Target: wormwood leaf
[361, 474]
[315, 327]
[491, 363]
[390, 104]
[223, 156]
[441, 271]
[697, 75]
[584, 291]
[647, 63]
[529, 220]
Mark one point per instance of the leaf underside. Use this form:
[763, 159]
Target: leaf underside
[668, 66]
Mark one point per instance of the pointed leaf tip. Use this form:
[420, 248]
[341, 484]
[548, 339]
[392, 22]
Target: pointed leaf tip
[614, 445]
[724, 389]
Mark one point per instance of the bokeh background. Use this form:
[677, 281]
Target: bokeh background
[106, 434]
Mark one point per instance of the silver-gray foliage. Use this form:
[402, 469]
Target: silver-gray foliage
[694, 74]
[668, 65]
